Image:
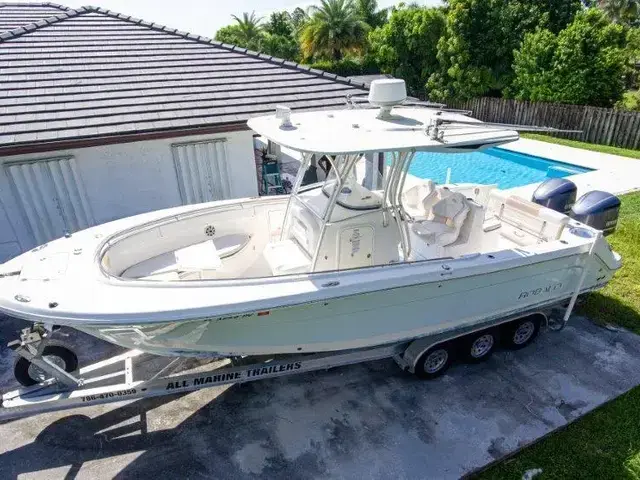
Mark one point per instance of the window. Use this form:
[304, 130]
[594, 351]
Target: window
[202, 171]
[52, 197]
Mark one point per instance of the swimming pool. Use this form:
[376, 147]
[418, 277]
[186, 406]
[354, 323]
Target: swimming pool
[495, 165]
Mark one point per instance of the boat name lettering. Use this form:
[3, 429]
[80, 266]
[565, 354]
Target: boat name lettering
[227, 377]
[102, 396]
[548, 289]
[355, 241]
[233, 317]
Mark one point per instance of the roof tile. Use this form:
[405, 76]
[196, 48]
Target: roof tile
[87, 72]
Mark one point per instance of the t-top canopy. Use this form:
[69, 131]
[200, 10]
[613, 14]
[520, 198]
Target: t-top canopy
[360, 131]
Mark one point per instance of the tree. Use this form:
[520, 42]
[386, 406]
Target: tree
[249, 28]
[279, 24]
[279, 38]
[275, 37]
[298, 18]
[368, 12]
[406, 46]
[282, 46]
[234, 35]
[584, 64]
[476, 50]
[333, 30]
[622, 11]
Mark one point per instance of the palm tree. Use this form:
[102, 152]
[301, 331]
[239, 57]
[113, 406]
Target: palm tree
[621, 11]
[369, 13]
[249, 27]
[299, 17]
[335, 28]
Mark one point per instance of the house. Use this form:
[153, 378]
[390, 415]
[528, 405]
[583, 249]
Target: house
[103, 116]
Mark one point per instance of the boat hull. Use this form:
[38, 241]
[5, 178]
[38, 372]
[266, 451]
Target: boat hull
[367, 319]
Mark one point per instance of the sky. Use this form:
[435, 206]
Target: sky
[201, 17]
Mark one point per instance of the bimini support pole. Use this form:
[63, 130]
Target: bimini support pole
[557, 326]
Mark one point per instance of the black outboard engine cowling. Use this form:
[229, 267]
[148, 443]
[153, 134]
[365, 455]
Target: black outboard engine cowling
[598, 210]
[558, 194]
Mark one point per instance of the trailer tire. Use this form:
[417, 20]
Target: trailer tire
[521, 332]
[435, 361]
[479, 346]
[27, 374]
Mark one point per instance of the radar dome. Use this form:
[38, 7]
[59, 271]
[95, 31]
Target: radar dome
[387, 93]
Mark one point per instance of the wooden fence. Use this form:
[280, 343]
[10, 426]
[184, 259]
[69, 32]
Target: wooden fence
[604, 126]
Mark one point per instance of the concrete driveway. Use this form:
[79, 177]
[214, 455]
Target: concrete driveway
[365, 421]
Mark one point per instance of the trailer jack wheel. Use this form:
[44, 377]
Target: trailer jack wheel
[28, 374]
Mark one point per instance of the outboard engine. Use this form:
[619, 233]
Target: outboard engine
[558, 194]
[598, 210]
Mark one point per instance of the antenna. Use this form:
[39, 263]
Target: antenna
[436, 128]
[284, 115]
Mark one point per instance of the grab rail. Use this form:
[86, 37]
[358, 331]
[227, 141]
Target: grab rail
[574, 297]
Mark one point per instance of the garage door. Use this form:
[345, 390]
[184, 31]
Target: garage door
[202, 171]
[51, 196]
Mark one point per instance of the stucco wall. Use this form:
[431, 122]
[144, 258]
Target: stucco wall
[123, 180]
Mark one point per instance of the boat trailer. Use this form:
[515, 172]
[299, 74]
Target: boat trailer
[115, 379]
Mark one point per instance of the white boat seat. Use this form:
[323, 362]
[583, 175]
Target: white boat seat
[198, 257]
[429, 231]
[286, 258]
[229, 245]
[525, 222]
[159, 265]
[163, 277]
[201, 256]
[418, 200]
[518, 236]
[447, 217]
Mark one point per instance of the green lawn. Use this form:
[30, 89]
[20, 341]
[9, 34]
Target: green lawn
[604, 444]
[623, 152]
[619, 302]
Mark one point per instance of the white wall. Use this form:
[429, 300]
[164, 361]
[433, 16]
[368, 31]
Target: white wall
[123, 180]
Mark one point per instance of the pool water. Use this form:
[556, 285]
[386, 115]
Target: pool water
[492, 166]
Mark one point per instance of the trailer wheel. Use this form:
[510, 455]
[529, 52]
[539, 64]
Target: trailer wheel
[28, 374]
[435, 361]
[479, 346]
[520, 333]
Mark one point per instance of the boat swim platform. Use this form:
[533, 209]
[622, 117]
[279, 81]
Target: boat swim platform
[366, 420]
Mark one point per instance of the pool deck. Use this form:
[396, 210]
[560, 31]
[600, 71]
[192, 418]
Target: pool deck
[612, 173]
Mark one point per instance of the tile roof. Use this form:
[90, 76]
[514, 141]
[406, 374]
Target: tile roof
[90, 72]
[367, 79]
[15, 15]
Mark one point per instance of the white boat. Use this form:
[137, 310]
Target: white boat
[354, 261]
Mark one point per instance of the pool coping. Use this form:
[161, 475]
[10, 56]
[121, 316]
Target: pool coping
[611, 173]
